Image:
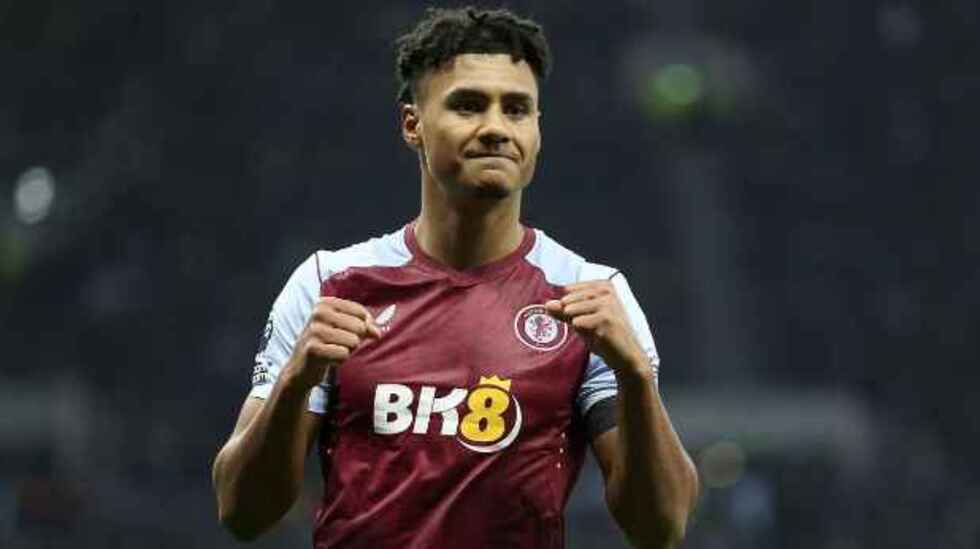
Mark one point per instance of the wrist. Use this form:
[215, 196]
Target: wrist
[636, 371]
[293, 385]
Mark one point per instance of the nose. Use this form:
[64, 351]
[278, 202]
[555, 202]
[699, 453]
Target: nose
[493, 131]
[491, 139]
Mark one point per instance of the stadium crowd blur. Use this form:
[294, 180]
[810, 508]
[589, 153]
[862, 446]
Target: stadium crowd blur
[790, 187]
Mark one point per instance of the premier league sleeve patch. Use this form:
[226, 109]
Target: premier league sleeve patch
[261, 374]
[266, 336]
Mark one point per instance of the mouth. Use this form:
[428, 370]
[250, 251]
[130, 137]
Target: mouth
[490, 155]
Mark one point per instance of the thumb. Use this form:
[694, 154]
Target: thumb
[372, 327]
[555, 308]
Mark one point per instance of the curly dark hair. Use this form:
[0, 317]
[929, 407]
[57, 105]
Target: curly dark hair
[445, 33]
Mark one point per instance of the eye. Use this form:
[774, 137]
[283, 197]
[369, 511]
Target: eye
[517, 110]
[466, 106]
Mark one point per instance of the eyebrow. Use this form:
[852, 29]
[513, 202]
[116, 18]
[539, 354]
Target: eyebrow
[521, 97]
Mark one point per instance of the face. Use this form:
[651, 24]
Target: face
[476, 125]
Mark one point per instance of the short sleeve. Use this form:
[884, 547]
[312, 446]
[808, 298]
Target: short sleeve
[286, 321]
[600, 382]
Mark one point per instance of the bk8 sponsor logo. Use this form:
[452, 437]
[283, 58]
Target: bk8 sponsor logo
[490, 422]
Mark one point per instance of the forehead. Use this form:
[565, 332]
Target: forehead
[494, 74]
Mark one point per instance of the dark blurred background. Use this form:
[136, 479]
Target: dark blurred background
[789, 186]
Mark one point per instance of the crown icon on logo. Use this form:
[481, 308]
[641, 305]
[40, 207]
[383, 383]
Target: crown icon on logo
[496, 382]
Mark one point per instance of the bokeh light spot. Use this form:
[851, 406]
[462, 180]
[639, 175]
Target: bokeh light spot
[678, 86]
[34, 195]
[722, 464]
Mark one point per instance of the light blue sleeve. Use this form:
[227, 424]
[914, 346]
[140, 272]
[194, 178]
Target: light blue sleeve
[290, 312]
[600, 382]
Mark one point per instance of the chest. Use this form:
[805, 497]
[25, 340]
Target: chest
[457, 350]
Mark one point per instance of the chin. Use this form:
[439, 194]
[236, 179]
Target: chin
[493, 186]
[488, 184]
[485, 184]
[492, 191]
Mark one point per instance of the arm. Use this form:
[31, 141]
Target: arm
[651, 483]
[258, 473]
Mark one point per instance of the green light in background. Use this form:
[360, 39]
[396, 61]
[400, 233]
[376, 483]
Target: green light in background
[674, 90]
[678, 85]
[13, 257]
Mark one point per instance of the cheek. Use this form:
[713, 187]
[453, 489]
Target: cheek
[531, 138]
[532, 147]
[531, 159]
[441, 152]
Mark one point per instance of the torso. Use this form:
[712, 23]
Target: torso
[459, 424]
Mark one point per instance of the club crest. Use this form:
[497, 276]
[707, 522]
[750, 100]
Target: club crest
[539, 330]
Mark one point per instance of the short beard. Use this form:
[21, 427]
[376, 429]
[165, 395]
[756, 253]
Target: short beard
[477, 190]
[493, 192]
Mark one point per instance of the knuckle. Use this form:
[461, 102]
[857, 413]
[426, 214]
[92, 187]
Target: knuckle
[310, 348]
[359, 328]
[344, 338]
[318, 331]
[331, 335]
[320, 315]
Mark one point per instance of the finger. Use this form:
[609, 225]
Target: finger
[586, 285]
[356, 310]
[347, 307]
[348, 322]
[371, 327]
[373, 330]
[556, 309]
[580, 295]
[335, 336]
[348, 315]
[580, 308]
[587, 322]
[328, 351]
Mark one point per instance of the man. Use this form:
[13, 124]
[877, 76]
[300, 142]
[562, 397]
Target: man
[451, 373]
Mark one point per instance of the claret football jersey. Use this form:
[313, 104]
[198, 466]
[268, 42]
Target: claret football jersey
[463, 425]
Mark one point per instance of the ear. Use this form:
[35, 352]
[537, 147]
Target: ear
[411, 125]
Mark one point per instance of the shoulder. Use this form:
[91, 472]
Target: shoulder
[561, 265]
[387, 250]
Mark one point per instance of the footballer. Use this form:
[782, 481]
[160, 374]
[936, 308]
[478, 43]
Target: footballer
[452, 374]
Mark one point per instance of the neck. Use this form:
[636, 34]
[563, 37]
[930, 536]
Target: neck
[466, 232]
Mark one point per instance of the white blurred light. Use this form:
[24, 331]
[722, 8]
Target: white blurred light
[34, 194]
[722, 464]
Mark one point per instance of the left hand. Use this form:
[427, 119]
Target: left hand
[594, 311]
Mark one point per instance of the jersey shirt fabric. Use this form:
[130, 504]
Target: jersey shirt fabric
[463, 424]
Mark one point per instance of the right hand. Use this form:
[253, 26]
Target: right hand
[335, 329]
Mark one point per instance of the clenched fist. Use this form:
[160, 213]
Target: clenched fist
[593, 309]
[336, 328]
